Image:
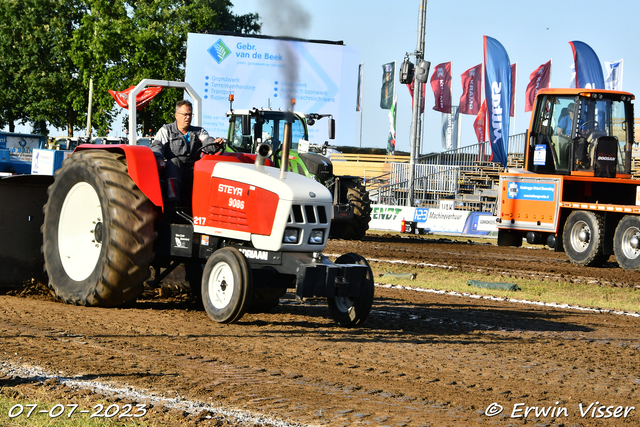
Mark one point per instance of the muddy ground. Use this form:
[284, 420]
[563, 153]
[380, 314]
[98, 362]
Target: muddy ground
[420, 358]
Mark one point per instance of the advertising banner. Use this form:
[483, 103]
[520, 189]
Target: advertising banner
[481, 223]
[388, 85]
[445, 221]
[451, 129]
[268, 72]
[360, 83]
[441, 85]
[614, 75]
[480, 123]
[539, 79]
[588, 69]
[389, 218]
[471, 90]
[497, 76]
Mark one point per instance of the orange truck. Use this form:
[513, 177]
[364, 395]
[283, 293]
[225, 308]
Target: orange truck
[575, 192]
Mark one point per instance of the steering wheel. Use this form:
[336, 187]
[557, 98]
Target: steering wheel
[584, 129]
[218, 147]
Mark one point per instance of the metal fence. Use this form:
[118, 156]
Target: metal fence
[468, 156]
[429, 180]
[438, 175]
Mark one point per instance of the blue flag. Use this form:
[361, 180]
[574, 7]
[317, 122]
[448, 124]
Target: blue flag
[497, 83]
[588, 69]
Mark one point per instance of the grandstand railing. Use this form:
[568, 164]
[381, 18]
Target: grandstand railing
[439, 174]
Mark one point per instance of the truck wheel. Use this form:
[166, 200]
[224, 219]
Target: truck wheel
[583, 238]
[350, 312]
[226, 285]
[626, 243]
[357, 227]
[98, 231]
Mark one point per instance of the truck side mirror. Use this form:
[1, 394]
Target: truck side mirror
[332, 128]
[246, 125]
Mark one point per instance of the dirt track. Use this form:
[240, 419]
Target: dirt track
[420, 359]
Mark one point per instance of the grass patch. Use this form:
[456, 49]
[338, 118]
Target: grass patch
[585, 295]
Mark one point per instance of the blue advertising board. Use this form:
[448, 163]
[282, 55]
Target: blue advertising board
[531, 191]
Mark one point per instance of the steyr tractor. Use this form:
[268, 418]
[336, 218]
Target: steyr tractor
[351, 211]
[252, 230]
[576, 193]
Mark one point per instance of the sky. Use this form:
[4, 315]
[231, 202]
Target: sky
[385, 31]
[531, 32]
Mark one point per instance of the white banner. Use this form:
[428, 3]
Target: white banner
[268, 72]
[614, 75]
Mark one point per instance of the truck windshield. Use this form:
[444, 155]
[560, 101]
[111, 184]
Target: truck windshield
[604, 118]
[272, 133]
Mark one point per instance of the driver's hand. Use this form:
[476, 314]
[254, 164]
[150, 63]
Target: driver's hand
[218, 141]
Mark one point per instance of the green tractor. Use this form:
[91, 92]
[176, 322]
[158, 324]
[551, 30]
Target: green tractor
[351, 205]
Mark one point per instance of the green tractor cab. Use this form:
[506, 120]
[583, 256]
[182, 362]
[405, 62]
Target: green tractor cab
[250, 128]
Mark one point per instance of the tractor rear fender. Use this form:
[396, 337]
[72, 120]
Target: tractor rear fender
[142, 166]
[21, 200]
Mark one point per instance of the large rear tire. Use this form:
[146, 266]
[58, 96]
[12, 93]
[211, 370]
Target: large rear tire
[626, 243]
[349, 312]
[98, 231]
[226, 285]
[583, 238]
[356, 228]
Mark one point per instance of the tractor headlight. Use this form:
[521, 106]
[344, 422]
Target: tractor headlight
[290, 235]
[316, 237]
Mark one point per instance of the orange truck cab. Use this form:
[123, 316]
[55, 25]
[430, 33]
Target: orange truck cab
[575, 192]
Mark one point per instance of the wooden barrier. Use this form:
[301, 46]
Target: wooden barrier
[364, 165]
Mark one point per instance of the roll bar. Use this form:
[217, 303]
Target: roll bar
[197, 102]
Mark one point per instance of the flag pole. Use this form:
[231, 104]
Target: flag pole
[515, 110]
[361, 103]
[416, 124]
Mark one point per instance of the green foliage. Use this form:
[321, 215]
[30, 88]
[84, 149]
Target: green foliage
[50, 51]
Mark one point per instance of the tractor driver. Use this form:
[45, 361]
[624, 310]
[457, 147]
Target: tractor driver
[565, 123]
[176, 148]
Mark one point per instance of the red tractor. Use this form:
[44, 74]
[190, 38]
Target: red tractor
[252, 231]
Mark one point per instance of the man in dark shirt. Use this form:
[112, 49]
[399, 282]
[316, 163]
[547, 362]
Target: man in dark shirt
[176, 148]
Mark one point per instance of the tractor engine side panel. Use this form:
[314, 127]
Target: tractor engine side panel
[241, 208]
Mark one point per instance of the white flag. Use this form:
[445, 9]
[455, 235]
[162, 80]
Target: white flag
[572, 83]
[614, 75]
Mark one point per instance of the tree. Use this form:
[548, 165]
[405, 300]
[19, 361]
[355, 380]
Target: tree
[12, 85]
[51, 50]
[158, 46]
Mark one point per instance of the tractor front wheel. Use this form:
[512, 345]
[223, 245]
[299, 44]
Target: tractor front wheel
[351, 312]
[226, 285]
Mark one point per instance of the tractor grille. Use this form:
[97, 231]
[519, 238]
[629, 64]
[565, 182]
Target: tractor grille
[308, 214]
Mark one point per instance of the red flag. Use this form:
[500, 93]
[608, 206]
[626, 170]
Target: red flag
[142, 99]
[479, 124]
[424, 89]
[441, 85]
[513, 89]
[540, 78]
[471, 90]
